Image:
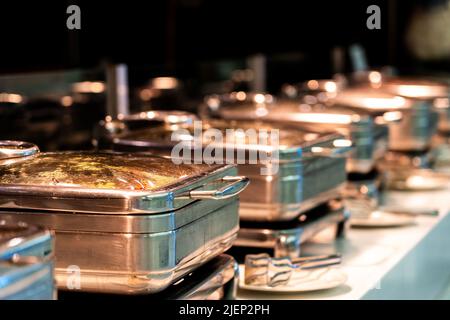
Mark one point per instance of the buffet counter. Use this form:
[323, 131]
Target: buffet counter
[389, 263]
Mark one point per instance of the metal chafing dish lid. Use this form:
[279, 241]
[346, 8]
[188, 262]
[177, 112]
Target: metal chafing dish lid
[416, 88]
[265, 107]
[107, 183]
[371, 100]
[290, 145]
[124, 172]
[166, 116]
[318, 114]
[110, 127]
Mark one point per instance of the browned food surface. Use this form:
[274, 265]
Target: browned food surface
[103, 171]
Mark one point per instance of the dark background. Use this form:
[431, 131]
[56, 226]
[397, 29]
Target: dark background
[185, 38]
[198, 41]
[175, 35]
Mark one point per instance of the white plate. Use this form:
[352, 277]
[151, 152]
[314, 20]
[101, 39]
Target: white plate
[380, 219]
[302, 281]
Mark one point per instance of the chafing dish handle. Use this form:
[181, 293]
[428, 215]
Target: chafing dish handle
[10, 149]
[331, 152]
[234, 185]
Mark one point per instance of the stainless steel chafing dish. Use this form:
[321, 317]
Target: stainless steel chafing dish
[168, 118]
[128, 223]
[369, 139]
[311, 165]
[415, 88]
[418, 119]
[26, 262]
[215, 280]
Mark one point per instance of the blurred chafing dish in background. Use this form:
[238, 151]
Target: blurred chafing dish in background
[311, 165]
[369, 136]
[436, 92]
[418, 147]
[132, 224]
[26, 262]
[305, 158]
[369, 139]
[416, 120]
[55, 110]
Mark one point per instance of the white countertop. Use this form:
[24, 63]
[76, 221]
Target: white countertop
[410, 262]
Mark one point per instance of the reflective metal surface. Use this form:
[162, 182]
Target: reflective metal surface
[26, 262]
[369, 138]
[108, 183]
[138, 261]
[418, 122]
[10, 149]
[438, 92]
[215, 280]
[286, 238]
[127, 223]
[305, 158]
[263, 270]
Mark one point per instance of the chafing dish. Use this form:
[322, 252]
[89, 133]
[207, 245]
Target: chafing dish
[418, 119]
[215, 280]
[415, 88]
[26, 262]
[124, 223]
[285, 238]
[369, 139]
[106, 129]
[311, 166]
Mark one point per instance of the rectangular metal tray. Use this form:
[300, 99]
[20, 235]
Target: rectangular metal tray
[129, 256]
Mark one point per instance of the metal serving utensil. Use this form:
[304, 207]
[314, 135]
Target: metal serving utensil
[261, 269]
